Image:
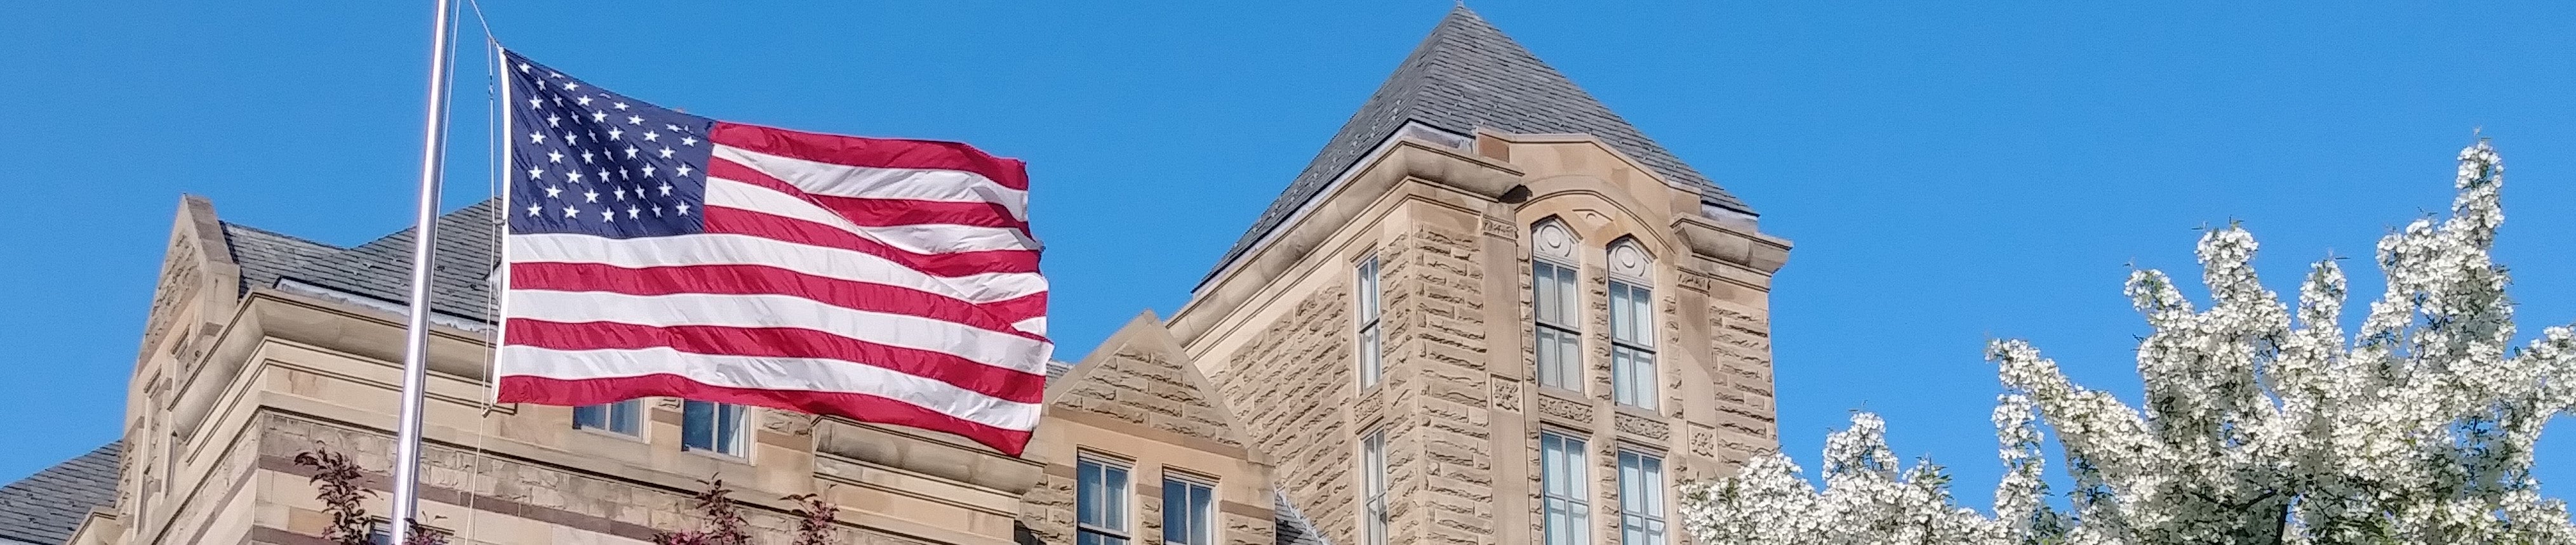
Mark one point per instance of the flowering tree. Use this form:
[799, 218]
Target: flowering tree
[2262, 423]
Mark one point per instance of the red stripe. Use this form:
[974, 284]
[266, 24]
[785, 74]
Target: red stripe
[868, 212]
[867, 408]
[738, 221]
[872, 152]
[781, 342]
[766, 280]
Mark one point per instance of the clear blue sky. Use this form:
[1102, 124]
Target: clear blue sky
[1950, 173]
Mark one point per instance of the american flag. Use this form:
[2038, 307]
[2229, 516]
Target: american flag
[656, 253]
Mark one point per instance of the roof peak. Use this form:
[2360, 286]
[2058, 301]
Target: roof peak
[1466, 74]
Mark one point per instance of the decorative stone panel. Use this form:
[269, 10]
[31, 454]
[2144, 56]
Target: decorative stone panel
[1642, 426]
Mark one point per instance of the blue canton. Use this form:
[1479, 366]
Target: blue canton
[585, 160]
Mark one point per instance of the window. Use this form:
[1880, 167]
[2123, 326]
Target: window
[1373, 488]
[623, 417]
[1641, 498]
[1189, 515]
[1100, 502]
[1566, 492]
[1370, 344]
[712, 427]
[1553, 308]
[1632, 344]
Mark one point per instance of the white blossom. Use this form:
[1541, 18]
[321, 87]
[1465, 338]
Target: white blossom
[2260, 422]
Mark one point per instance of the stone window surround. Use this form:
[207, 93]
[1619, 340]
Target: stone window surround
[742, 438]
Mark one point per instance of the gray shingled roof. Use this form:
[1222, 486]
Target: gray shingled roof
[1466, 75]
[1291, 525]
[47, 506]
[468, 250]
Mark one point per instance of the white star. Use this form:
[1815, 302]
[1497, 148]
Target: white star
[621, 105]
[689, 141]
[571, 138]
[684, 170]
[571, 86]
[599, 116]
[672, 128]
[574, 176]
[633, 212]
[590, 196]
[634, 120]
[585, 157]
[533, 173]
[536, 137]
[666, 153]
[558, 100]
[582, 100]
[569, 212]
[523, 68]
[621, 174]
[554, 192]
[648, 171]
[603, 176]
[684, 209]
[657, 210]
[607, 215]
[666, 187]
[614, 133]
[554, 156]
[621, 193]
[533, 209]
[554, 74]
[650, 136]
[535, 103]
[554, 120]
[630, 152]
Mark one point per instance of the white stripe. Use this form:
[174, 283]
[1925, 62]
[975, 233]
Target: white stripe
[975, 344]
[806, 374]
[822, 178]
[716, 249]
[919, 239]
[1033, 325]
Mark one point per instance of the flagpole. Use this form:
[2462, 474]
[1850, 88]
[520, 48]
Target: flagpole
[433, 152]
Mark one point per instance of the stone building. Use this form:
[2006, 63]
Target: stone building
[1490, 311]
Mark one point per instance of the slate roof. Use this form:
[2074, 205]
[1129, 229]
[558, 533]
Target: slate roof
[47, 506]
[468, 250]
[1466, 75]
[1290, 525]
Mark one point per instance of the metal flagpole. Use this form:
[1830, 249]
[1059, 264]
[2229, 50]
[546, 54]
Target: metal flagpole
[433, 152]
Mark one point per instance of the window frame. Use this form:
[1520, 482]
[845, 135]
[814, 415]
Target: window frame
[1374, 486]
[1633, 369]
[608, 419]
[717, 444]
[1124, 496]
[1368, 293]
[1646, 524]
[1565, 369]
[1566, 482]
[1203, 520]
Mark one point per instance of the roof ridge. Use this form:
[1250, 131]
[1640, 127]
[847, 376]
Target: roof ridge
[255, 229]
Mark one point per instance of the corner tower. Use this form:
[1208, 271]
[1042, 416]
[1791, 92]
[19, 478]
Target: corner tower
[1492, 311]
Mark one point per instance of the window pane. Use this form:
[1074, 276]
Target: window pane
[1113, 500]
[697, 425]
[590, 416]
[626, 417]
[729, 438]
[1087, 493]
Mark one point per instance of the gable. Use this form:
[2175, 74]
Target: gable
[1141, 376]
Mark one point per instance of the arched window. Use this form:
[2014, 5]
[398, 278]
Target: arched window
[1632, 331]
[1556, 314]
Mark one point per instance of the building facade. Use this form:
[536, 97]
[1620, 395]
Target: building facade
[1484, 266]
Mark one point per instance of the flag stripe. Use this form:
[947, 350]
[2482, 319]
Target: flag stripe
[1004, 384]
[762, 279]
[1009, 440]
[915, 239]
[732, 249]
[867, 204]
[872, 152]
[830, 181]
[727, 220]
[1004, 350]
[796, 374]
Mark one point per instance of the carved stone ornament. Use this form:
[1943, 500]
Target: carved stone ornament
[785, 422]
[1642, 426]
[1703, 440]
[1629, 261]
[1507, 395]
[1569, 410]
[1500, 228]
[1550, 239]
